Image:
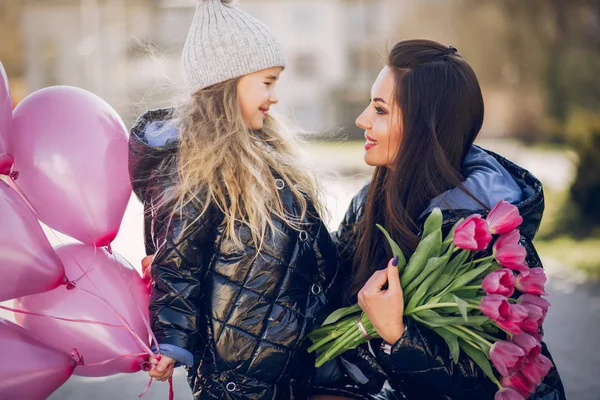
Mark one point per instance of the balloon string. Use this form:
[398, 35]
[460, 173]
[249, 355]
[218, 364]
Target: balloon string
[86, 272]
[115, 311]
[82, 321]
[115, 359]
[146, 322]
[13, 184]
[123, 320]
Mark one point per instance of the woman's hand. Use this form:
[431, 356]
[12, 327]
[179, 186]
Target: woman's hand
[162, 368]
[384, 308]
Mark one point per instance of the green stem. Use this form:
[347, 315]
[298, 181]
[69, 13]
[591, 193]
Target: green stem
[484, 259]
[437, 305]
[488, 336]
[481, 340]
[471, 287]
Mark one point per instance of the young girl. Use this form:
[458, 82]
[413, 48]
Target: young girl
[425, 112]
[242, 257]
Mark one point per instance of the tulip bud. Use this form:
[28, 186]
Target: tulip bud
[503, 218]
[472, 234]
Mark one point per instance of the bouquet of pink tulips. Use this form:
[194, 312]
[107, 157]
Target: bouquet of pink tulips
[465, 299]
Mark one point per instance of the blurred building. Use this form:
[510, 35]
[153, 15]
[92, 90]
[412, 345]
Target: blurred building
[127, 51]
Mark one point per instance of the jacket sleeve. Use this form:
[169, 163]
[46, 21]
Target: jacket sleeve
[422, 360]
[184, 247]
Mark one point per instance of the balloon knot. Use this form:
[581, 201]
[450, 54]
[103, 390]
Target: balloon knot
[146, 366]
[71, 285]
[109, 249]
[77, 357]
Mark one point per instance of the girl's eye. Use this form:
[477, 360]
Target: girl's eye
[268, 83]
[379, 110]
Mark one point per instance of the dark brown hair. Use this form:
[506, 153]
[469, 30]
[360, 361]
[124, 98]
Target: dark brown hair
[441, 114]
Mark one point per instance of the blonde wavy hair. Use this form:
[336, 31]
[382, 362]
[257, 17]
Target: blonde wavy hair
[221, 161]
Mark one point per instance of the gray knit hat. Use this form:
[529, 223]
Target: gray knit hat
[224, 43]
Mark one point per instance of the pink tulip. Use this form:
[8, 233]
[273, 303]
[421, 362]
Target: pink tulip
[528, 343]
[518, 382]
[472, 234]
[501, 282]
[503, 218]
[506, 357]
[535, 300]
[508, 394]
[532, 281]
[509, 253]
[536, 369]
[535, 317]
[518, 314]
[495, 306]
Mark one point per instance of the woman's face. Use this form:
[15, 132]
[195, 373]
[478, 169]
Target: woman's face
[256, 94]
[383, 130]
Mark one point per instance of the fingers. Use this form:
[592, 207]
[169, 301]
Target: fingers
[164, 363]
[162, 368]
[162, 376]
[393, 276]
[375, 282]
[146, 261]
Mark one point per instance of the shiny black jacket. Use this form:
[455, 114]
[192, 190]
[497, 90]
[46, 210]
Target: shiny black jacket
[244, 315]
[420, 364]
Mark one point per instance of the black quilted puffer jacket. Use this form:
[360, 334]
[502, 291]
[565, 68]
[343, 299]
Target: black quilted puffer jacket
[420, 364]
[244, 316]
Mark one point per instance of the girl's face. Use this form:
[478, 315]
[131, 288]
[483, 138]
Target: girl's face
[383, 130]
[256, 94]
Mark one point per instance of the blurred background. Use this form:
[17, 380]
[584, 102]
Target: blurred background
[538, 62]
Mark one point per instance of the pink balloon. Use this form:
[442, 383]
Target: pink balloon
[5, 110]
[28, 263]
[110, 276]
[30, 368]
[70, 149]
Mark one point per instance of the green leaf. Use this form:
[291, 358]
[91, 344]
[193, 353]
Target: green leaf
[468, 294]
[449, 273]
[396, 250]
[433, 319]
[341, 313]
[451, 340]
[466, 278]
[462, 307]
[435, 266]
[480, 359]
[433, 222]
[427, 248]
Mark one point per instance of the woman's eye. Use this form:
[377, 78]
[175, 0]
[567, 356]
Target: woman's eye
[379, 110]
[268, 83]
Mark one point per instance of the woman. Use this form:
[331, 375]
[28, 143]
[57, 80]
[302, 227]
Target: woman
[425, 112]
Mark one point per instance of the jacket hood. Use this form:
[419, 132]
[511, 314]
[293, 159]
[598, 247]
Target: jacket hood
[153, 142]
[492, 178]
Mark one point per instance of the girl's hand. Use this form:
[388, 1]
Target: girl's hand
[162, 368]
[384, 308]
[146, 263]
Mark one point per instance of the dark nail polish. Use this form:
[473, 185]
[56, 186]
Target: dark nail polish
[395, 261]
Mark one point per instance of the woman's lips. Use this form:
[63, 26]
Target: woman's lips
[370, 143]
